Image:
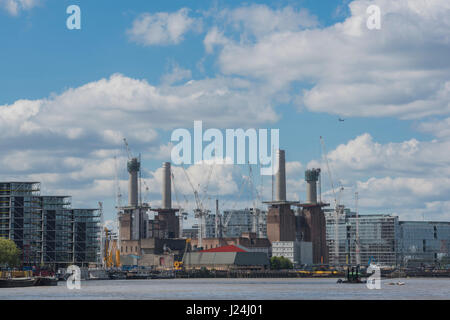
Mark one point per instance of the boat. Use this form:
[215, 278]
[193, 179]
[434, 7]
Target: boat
[353, 276]
[138, 276]
[117, 276]
[17, 282]
[399, 283]
[46, 281]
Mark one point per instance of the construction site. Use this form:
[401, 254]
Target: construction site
[311, 234]
[152, 237]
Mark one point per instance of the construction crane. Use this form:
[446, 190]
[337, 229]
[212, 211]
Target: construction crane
[227, 221]
[127, 147]
[111, 252]
[218, 222]
[358, 257]
[336, 205]
[205, 191]
[199, 211]
[225, 224]
[147, 190]
[187, 248]
[117, 192]
[255, 196]
[107, 257]
[181, 215]
[100, 208]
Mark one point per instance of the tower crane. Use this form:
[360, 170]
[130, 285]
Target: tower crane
[147, 189]
[118, 194]
[205, 191]
[100, 208]
[336, 206]
[182, 215]
[358, 257]
[255, 197]
[127, 147]
[111, 252]
[199, 211]
[225, 224]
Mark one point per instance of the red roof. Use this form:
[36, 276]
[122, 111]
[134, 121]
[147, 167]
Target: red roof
[230, 248]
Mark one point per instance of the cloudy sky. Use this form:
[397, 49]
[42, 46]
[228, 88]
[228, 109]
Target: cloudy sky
[140, 69]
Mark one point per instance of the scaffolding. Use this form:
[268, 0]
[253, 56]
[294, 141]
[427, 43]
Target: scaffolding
[234, 222]
[46, 229]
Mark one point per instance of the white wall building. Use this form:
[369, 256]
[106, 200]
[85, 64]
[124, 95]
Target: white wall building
[299, 252]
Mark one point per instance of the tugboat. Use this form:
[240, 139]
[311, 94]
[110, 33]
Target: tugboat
[352, 275]
[14, 279]
[46, 281]
[45, 277]
[17, 282]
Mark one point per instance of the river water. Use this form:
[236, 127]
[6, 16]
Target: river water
[236, 289]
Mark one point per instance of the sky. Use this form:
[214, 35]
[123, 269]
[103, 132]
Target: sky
[141, 69]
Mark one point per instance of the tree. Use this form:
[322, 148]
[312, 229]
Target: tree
[277, 263]
[286, 263]
[9, 253]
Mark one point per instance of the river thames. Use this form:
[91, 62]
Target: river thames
[236, 289]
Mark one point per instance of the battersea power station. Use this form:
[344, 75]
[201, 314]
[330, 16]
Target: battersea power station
[152, 236]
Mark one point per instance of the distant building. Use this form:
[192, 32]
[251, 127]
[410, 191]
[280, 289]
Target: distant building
[248, 240]
[233, 223]
[46, 229]
[423, 242]
[378, 234]
[190, 232]
[228, 257]
[298, 252]
[385, 240]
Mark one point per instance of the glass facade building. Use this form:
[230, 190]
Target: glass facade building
[385, 240]
[378, 235]
[424, 243]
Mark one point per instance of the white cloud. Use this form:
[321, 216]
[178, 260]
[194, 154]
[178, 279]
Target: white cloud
[13, 7]
[162, 152]
[213, 38]
[362, 155]
[68, 140]
[401, 70]
[177, 74]
[439, 128]
[259, 20]
[124, 107]
[406, 178]
[162, 28]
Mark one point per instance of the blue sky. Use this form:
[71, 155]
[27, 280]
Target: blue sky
[233, 64]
